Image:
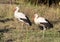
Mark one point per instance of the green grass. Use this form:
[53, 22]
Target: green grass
[25, 33]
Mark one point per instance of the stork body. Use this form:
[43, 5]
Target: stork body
[44, 23]
[21, 17]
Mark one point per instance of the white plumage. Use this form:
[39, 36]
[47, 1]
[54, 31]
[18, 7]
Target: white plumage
[21, 17]
[40, 20]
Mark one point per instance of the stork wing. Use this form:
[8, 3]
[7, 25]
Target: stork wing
[42, 20]
[21, 15]
[27, 20]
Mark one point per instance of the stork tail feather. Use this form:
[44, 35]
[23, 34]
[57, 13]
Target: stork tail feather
[50, 25]
[27, 20]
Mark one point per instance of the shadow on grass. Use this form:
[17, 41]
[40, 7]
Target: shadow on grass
[4, 30]
[9, 40]
[6, 20]
[55, 22]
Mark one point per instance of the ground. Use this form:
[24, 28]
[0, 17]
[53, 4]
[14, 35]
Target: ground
[14, 31]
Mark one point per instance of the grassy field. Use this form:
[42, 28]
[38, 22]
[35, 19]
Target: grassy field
[13, 31]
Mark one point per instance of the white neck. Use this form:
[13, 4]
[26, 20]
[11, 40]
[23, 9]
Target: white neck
[16, 10]
[35, 18]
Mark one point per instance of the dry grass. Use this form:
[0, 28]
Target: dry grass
[25, 33]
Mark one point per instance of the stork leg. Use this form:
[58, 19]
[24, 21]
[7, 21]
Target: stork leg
[44, 30]
[22, 24]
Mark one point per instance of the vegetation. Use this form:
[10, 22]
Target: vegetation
[13, 31]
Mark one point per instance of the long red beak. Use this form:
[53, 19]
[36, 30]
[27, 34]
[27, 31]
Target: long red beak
[33, 18]
[14, 10]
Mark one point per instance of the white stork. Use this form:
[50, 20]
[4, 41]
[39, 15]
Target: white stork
[21, 16]
[44, 23]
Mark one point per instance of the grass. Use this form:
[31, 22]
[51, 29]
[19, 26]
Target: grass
[17, 33]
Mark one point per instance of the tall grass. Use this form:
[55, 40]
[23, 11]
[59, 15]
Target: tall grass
[25, 33]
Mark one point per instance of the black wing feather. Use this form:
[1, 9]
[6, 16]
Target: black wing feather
[50, 25]
[26, 20]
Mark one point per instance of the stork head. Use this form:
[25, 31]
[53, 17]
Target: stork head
[35, 15]
[16, 9]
